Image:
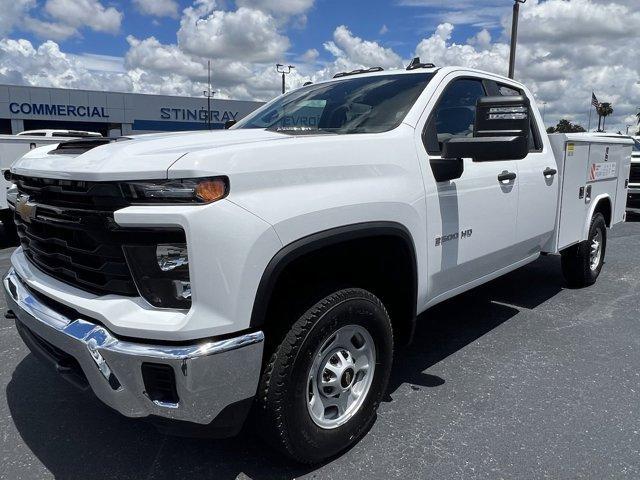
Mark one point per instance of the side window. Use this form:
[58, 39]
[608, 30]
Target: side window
[535, 143]
[454, 114]
[507, 91]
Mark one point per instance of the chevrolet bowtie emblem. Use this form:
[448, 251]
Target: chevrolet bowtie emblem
[25, 208]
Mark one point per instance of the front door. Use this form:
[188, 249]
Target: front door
[471, 221]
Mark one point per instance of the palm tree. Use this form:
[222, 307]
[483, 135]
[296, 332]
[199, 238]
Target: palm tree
[638, 117]
[604, 109]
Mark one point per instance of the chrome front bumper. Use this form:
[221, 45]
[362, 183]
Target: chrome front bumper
[209, 375]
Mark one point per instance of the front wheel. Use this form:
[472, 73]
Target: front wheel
[582, 263]
[322, 386]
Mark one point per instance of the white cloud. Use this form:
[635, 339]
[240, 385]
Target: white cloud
[158, 8]
[565, 50]
[46, 65]
[149, 54]
[50, 30]
[439, 50]
[352, 51]
[310, 55]
[13, 12]
[85, 13]
[479, 13]
[58, 19]
[285, 7]
[383, 30]
[482, 39]
[245, 34]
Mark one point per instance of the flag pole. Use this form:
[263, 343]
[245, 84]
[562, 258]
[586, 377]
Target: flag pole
[590, 109]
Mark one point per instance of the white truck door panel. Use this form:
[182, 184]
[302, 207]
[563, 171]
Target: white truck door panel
[476, 232]
[537, 201]
[471, 221]
[537, 192]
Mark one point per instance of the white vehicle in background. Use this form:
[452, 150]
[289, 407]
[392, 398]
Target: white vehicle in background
[13, 147]
[276, 266]
[59, 133]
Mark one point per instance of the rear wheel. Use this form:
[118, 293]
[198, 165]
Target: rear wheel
[322, 386]
[582, 263]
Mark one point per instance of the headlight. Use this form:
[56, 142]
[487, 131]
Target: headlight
[161, 273]
[190, 190]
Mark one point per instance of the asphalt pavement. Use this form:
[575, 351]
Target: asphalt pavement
[518, 379]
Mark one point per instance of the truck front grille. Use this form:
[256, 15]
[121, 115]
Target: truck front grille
[635, 173]
[70, 234]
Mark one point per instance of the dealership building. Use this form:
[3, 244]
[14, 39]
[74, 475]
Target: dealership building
[110, 113]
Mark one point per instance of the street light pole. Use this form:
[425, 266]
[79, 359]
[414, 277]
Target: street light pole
[514, 36]
[209, 94]
[284, 70]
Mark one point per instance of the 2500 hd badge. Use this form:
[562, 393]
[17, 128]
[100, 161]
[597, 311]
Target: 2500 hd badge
[453, 236]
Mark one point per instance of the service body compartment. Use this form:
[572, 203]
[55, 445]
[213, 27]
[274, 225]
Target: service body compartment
[590, 167]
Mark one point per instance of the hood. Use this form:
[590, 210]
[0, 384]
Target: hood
[139, 157]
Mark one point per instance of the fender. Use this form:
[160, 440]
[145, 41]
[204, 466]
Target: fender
[594, 204]
[319, 240]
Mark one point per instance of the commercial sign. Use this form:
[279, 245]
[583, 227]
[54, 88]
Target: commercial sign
[59, 110]
[131, 112]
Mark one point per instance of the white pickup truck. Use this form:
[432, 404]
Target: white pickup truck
[275, 267]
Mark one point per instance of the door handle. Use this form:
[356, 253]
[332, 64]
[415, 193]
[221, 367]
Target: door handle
[506, 176]
[549, 172]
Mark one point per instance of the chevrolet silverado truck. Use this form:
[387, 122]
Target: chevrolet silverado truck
[269, 271]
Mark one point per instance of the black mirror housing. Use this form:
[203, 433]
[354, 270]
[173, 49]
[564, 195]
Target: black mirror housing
[502, 116]
[445, 169]
[500, 132]
[486, 149]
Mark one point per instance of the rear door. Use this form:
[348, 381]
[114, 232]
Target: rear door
[471, 221]
[538, 187]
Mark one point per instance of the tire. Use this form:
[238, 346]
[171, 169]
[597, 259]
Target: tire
[579, 267]
[286, 388]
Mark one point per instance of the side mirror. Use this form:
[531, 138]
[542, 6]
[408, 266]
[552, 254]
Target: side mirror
[229, 123]
[501, 131]
[445, 169]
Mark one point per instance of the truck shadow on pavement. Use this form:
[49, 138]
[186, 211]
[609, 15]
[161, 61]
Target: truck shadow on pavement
[74, 436]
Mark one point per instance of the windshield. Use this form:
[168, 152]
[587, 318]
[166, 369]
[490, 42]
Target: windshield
[636, 145]
[369, 104]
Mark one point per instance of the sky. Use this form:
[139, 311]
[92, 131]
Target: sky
[566, 48]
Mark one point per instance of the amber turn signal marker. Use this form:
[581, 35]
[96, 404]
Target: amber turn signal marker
[211, 190]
